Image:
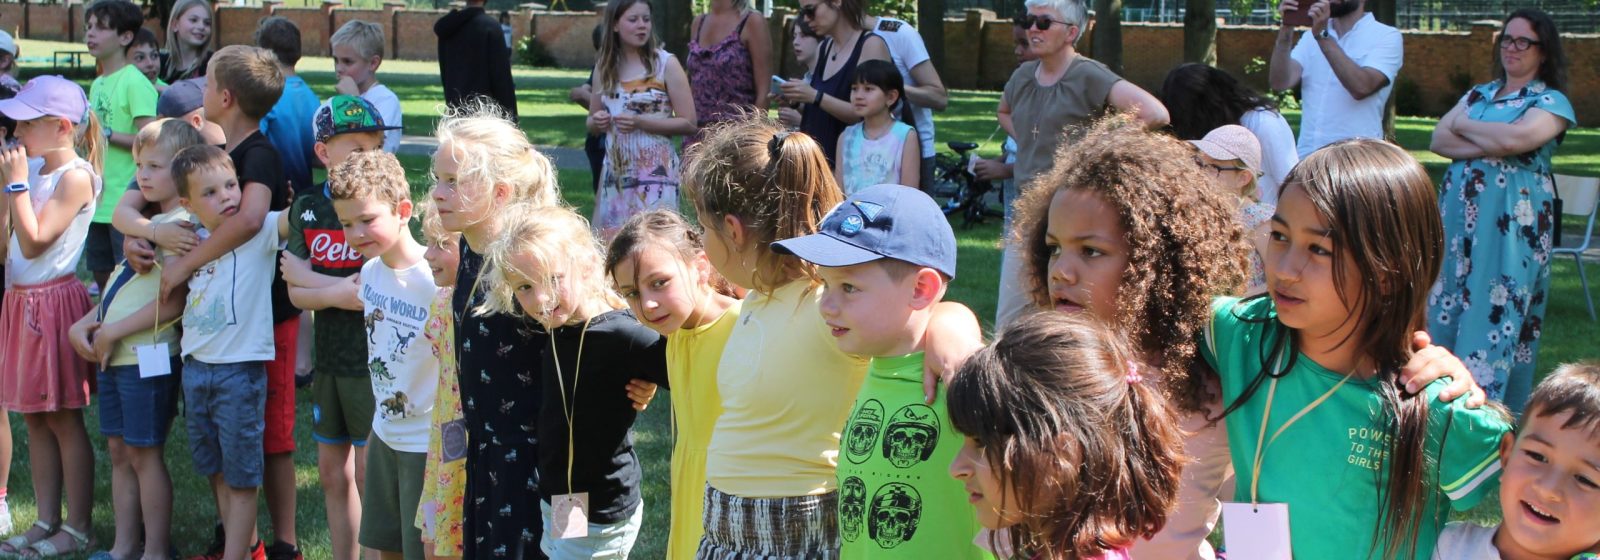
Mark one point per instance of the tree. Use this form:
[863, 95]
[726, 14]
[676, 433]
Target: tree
[1200, 32]
[930, 18]
[672, 19]
[1108, 33]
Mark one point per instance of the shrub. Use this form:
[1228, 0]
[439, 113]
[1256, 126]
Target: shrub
[530, 52]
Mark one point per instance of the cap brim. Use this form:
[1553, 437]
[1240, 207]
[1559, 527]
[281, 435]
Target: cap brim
[1215, 150]
[16, 110]
[825, 250]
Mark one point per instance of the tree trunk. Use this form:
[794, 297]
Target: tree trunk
[1108, 34]
[672, 18]
[930, 23]
[1200, 32]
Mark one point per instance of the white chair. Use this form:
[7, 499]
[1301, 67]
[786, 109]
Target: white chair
[1579, 197]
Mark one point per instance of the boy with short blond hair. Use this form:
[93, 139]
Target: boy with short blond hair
[885, 256]
[357, 53]
[124, 101]
[397, 287]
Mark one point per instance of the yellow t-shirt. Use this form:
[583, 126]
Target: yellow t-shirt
[129, 291]
[692, 357]
[786, 390]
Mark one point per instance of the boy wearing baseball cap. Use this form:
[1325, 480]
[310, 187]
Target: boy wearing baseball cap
[885, 256]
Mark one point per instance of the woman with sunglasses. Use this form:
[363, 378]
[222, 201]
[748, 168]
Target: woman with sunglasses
[1050, 101]
[1498, 205]
[826, 95]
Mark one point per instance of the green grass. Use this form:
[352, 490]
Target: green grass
[551, 120]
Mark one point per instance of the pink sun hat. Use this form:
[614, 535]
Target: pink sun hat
[47, 96]
[1229, 142]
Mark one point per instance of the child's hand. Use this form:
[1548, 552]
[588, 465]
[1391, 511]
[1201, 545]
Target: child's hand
[179, 238]
[953, 334]
[1430, 363]
[81, 334]
[173, 276]
[789, 116]
[15, 163]
[104, 346]
[641, 392]
[141, 257]
[350, 293]
[296, 271]
[347, 86]
[600, 120]
[626, 122]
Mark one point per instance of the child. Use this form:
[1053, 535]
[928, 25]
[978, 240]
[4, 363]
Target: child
[444, 480]
[144, 53]
[242, 84]
[1548, 492]
[373, 203]
[357, 53]
[1375, 466]
[124, 101]
[1039, 460]
[182, 102]
[288, 124]
[484, 162]
[773, 450]
[879, 149]
[41, 376]
[323, 277]
[641, 100]
[658, 264]
[136, 411]
[804, 45]
[547, 265]
[227, 340]
[8, 63]
[1232, 156]
[188, 41]
[885, 257]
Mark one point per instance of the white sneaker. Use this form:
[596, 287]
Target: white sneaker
[5, 517]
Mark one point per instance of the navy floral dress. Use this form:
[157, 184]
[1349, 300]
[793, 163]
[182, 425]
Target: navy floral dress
[498, 357]
[1499, 215]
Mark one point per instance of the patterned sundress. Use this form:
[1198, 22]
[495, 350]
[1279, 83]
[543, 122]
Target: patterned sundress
[641, 169]
[723, 77]
[1499, 215]
[444, 484]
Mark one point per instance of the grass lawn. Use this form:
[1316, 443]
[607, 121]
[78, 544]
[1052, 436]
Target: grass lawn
[550, 119]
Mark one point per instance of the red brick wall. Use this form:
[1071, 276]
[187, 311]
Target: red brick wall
[415, 40]
[568, 36]
[342, 16]
[48, 22]
[11, 18]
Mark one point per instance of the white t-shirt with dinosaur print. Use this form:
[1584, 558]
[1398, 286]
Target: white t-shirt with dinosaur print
[404, 370]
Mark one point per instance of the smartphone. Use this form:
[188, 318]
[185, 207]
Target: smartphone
[1300, 16]
[777, 83]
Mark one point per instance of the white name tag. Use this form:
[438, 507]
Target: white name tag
[154, 360]
[1256, 531]
[569, 515]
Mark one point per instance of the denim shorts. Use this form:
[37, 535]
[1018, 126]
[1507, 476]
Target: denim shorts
[138, 410]
[225, 408]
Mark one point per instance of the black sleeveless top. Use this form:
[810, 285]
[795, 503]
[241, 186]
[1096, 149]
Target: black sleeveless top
[817, 122]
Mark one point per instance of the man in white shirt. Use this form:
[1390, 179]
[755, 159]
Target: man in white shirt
[1345, 66]
[925, 92]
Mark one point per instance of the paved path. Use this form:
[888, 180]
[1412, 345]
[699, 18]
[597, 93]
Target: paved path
[564, 158]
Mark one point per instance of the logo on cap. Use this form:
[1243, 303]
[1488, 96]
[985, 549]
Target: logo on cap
[869, 209]
[851, 226]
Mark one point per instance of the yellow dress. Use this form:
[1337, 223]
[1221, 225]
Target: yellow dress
[444, 484]
[692, 357]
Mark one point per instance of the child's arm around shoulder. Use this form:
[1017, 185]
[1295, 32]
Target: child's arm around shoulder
[235, 231]
[649, 357]
[1468, 441]
[953, 334]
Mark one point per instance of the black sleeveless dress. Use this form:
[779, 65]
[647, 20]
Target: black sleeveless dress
[817, 122]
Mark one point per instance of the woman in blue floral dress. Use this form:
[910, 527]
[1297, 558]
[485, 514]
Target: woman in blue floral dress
[1498, 204]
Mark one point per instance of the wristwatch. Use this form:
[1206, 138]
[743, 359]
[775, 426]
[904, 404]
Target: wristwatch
[17, 187]
[108, 133]
[1327, 33]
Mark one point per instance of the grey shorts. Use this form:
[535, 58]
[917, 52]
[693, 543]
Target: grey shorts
[226, 404]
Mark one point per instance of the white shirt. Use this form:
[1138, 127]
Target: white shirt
[388, 105]
[60, 258]
[1278, 151]
[1466, 541]
[1331, 113]
[228, 316]
[404, 370]
[907, 50]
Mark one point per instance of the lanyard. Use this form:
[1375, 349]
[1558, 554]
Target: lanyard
[1262, 443]
[566, 410]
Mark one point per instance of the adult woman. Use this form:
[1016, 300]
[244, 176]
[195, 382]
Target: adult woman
[1202, 98]
[733, 72]
[827, 95]
[188, 41]
[1497, 202]
[1052, 99]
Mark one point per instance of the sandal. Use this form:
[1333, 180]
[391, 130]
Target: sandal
[14, 546]
[43, 548]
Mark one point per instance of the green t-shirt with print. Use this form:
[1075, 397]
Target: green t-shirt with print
[896, 496]
[1327, 464]
[315, 235]
[118, 99]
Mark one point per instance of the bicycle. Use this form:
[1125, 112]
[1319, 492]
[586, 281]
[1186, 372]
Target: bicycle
[959, 191]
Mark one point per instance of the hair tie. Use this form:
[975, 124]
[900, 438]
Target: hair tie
[775, 145]
[1133, 373]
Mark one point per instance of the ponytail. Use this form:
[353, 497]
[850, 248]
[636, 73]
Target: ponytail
[90, 141]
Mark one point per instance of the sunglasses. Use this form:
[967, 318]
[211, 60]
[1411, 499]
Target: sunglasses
[808, 12]
[1043, 23]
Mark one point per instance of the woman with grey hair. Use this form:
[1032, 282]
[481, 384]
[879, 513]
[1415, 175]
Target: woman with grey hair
[1049, 101]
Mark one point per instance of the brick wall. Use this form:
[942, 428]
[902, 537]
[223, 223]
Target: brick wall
[568, 36]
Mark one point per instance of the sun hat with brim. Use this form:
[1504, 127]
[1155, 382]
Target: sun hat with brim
[1230, 142]
[7, 43]
[43, 96]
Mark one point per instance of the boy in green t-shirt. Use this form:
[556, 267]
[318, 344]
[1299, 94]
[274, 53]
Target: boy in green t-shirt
[124, 101]
[886, 255]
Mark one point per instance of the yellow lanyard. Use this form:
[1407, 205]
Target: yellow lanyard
[1262, 443]
[566, 410]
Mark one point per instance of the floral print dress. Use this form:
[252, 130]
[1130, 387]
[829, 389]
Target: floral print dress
[1499, 215]
[444, 480]
[641, 169]
[723, 77]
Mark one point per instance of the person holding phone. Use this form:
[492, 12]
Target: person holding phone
[1344, 65]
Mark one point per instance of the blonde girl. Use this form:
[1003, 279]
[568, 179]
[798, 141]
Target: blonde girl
[785, 385]
[547, 266]
[188, 41]
[642, 99]
[42, 376]
[483, 164]
[1376, 462]
[444, 478]
[658, 263]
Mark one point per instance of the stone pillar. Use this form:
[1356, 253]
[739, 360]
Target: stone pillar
[328, 6]
[391, 24]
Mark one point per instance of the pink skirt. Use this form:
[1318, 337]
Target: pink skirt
[39, 371]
